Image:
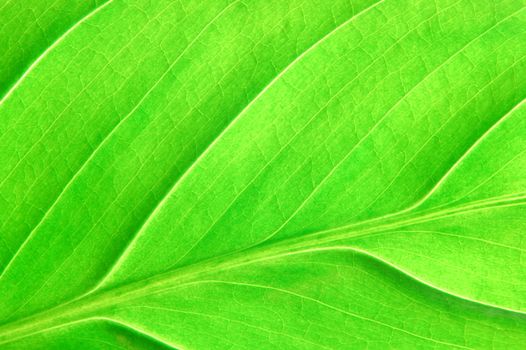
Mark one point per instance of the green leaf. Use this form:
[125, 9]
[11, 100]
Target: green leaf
[256, 174]
[31, 28]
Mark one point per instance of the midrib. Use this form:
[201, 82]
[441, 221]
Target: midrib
[88, 305]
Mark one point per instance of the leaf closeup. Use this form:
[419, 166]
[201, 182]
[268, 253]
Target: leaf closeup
[248, 174]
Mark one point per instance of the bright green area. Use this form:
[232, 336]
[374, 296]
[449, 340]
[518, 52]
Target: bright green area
[263, 174]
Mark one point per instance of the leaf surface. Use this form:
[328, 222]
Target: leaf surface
[265, 174]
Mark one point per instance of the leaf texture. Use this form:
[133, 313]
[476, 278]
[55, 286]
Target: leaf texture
[263, 174]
